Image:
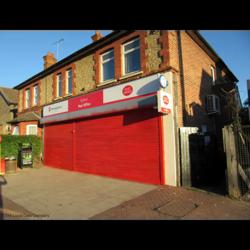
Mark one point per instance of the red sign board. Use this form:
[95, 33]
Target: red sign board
[87, 101]
[127, 90]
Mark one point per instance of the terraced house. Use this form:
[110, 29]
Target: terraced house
[100, 110]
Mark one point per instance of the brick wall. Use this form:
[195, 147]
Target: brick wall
[23, 125]
[197, 81]
[46, 89]
[153, 48]
[85, 74]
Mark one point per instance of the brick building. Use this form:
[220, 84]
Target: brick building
[8, 108]
[98, 106]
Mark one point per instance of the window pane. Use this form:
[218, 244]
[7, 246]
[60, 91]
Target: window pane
[108, 55]
[59, 84]
[132, 61]
[69, 75]
[27, 93]
[132, 45]
[108, 70]
[36, 95]
[32, 130]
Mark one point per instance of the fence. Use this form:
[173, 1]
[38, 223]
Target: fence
[198, 158]
[237, 149]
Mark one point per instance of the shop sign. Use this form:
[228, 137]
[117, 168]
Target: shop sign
[57, 108]
[164, 102]
[127, 90]
[87, 101]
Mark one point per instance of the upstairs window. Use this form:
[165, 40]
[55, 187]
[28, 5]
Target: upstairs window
[59, 85]
[107, 66]
[27, 98]
[35, 95]
[69, 81]
[213, 74]
[131, 56]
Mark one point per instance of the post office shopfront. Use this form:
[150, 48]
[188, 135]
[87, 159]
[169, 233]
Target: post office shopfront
[116, 132]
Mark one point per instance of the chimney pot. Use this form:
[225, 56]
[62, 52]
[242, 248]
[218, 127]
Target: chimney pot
[96, 36]
[49, 60]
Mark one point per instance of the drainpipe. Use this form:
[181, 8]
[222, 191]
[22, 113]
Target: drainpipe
[183, 97]
[182, 78]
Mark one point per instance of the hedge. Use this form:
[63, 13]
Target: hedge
[10, 145]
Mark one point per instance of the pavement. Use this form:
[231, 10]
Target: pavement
[51, 194]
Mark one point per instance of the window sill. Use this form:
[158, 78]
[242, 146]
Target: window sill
[68, 95]
[58, 98]
[131, 74]
[107, 82]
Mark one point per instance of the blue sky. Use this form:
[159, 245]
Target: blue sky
[234, 49]
[21, 52]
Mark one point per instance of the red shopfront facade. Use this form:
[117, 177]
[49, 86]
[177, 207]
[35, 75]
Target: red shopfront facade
[114, 132]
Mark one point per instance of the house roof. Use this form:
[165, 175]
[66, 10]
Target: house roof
[108, 39]
[11, 95]
[29, 116]
[76, 55]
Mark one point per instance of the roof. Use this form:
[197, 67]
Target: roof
[76, 55]
[108, 39]
[212, 52]
[30, 116]
[11, 95]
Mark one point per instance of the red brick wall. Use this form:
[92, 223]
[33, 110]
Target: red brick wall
[197, 80]
[22, 128]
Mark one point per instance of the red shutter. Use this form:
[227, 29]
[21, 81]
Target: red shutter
[58, 144]
[125, 145]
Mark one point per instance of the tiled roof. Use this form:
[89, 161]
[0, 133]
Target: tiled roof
[11, 95]
[30, 116]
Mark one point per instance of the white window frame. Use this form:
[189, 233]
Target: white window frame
[35, 87]
[57, 84]
[28, 127]
[213, 74]
[67, 81]
[27, 103]
[107, 60]
[124, 53]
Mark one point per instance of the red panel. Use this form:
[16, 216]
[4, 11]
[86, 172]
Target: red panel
[125, 145]
[59, 145]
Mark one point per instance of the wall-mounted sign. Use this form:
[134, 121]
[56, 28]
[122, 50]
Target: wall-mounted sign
[57, 108]
[127, 90]
[121, 92]
[87, 101]
[164, 102]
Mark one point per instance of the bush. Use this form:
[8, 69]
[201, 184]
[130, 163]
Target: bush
[10, 145]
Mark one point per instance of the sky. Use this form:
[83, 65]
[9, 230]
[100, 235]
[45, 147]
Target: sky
[22, 52]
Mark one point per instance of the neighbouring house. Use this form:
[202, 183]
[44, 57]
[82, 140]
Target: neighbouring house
[8, 108]
[99, 110]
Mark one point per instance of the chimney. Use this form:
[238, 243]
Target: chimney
[49, 60]
[96, 36]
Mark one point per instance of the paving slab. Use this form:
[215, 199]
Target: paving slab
[62, 194]
[177, 203]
